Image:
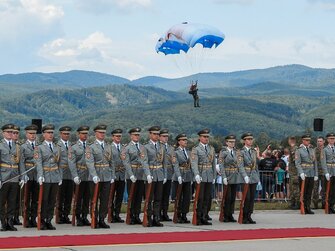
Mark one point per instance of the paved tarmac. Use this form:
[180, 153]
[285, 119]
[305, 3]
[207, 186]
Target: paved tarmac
[265, 219]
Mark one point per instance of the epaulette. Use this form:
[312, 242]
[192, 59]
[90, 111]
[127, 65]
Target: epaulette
[124, 145]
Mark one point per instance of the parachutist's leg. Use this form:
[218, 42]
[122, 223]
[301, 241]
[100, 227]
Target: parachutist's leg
[195, 102]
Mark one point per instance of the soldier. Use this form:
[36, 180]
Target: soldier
[293, 175]
[183, 175]
[119, 175]
[321, 175]
[306, 164]
[231, 176]
[78, 168]
[250, 174]
[27, 161]
[99, 163]
[157, 163]
[204, 170]
[49, 174]
[16, 220]
[135, 160]
[66, 189]
[9, 177]
[328, 165]
[169, 153]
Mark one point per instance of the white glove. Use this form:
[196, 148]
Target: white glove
[180, 180]
[96, 179]
[132, 178]
[0, 184]
[149, 179]
[60, 183]
[217, 167]
[327, 176]
[302, 176]
[164, 181]
[197, 179]
[112, 181]
[41, 180]
[316, 178]
[213, 182]
[225, 181]
[246, 180]
[21, 183]
[76, 180]
[25, 178]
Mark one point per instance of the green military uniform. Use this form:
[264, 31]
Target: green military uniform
[318, 154]
[294, 179]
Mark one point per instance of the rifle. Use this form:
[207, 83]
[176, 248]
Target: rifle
[244, 195]
[327, 197]
[302, 191]
[94, 204]
[195, 204]
[146, 204]
[25, 204]
[130, 200]
[176, 203]
[39, 208]
[224, 194]
[74, 205]
[110, 202]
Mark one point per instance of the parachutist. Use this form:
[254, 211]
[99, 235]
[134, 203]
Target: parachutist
[194, 92]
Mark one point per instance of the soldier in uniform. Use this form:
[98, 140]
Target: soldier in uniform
[78, 168]
[135, 160]
[204, 170]
[183, 175]
[9, 171]
[157, 166]
[99, 163]
[49, 174]
[27, 161]
[66, 189]
[119, 175]
[306, 164]
[169, 153]
[293, 175]
[231, 176]
[321, 175]
[16, 220]
[250, 174]
[328, 166]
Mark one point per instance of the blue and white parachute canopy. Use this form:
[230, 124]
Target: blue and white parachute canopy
[182, 37]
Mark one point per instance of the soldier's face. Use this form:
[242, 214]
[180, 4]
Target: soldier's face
[331, 141]
[183, 143]
[248, 142]
[306, 142]
[48, 136]
[231, 143]
[163, 138]
[135, 137]
[65, 136]
[8, 135]
[321, 142]
[31, 136]
[154, 136]
[100, 135]
[204, 139]
[83, 136]
[117, 138]
[15, 136]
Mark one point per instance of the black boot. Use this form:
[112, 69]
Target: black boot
[156, 222]
[245, 219]
[16, 221]
[165, 216]
[10, 225]
[184, 218]
[308, 210]
[85, 221]
[231, 218]
[137, 219]
[3, 225]
[43, 225]
[205, 221]
[251, 221]
[49, 225]
[117, 219]
[207, 217]
[80, 221]
[66, 219]
[61, 219]
[102, 223]
[32, 222]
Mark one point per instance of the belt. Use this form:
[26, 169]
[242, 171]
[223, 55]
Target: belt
[81, 166]
[206, 166]
[230, 169]
[155, 166]
[119, 168]
[307, 165]
[187, 167]
[250, 168]
[136, 165]
[9, 166]
[101, 165]
[46, 168]
[331, 164]
[168, 166]
[29, 164]
[63, 166]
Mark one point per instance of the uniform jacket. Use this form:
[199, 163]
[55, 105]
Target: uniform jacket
[135, 161]
[64, 160]
[77, 161]
[249, 165]
[9, 161]
[183, 166]
[27, 160]
[203, 163]
[230, 166]
[306, 162]
[47, 162]
[156, 161]
[328, 162]
[169, 153]
[99, 161]
[120, 171]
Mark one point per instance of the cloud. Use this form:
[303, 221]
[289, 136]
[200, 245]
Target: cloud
[106, 6]
[95, 52]
[237, 2]
[324, 4]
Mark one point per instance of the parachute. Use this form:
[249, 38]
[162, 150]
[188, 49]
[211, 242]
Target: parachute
[182, 37]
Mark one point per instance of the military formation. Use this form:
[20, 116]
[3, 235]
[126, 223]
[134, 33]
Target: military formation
[87, 181]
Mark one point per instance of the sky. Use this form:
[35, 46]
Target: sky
[119, 36]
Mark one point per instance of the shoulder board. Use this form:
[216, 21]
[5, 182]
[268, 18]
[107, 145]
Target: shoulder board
[124, 145]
